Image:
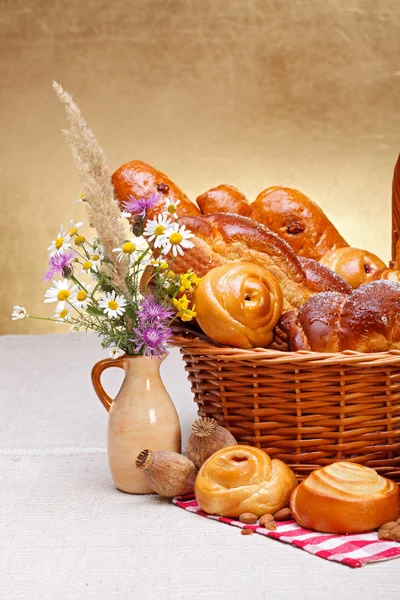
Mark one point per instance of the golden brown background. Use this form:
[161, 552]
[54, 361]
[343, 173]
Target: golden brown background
[246, 92]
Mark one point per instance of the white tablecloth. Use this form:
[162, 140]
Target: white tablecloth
[66, 533]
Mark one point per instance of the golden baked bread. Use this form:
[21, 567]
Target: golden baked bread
[242, 479]
[298, 220]
[366, 321]
[322, 279]
[236, 238]
[239, 304]
[225, 199]
[139, 180]
[345, 498]
[354, 265]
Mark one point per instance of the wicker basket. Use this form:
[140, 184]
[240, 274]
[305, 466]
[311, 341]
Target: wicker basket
[307, 409]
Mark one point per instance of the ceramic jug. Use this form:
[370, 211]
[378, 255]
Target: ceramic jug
[141, 416]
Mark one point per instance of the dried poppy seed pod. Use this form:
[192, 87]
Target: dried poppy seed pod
[168, 473]
[206, 438]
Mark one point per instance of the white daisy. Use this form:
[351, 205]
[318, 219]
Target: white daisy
[127, 249]
[62, 313]
[178, 239]
[159, 262]
[114, 306]
[97, 246]
[61, 292]
[157, 229]
[73, 228]
[126, 214]
[92, 264]
[61, 244]
[115, 353]
[82, 298]
[82, 198]
[96, 258]
[19, 312]
[170, 208]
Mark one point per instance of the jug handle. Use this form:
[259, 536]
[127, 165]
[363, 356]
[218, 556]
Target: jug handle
[97, 370]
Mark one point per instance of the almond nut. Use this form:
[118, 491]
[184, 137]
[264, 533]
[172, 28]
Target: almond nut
[272, 526]
[283, 515]
[248, 518]
[266, 519]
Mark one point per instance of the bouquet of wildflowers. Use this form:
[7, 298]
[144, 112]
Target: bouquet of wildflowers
[98, 284]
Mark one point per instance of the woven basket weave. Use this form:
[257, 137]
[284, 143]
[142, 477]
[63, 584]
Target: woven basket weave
[306, 408]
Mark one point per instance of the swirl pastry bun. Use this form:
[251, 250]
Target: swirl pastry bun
[239, 304]
[354, 265]
[345, 497]
[243, 479]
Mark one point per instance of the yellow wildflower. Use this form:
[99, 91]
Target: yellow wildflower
[181, 304]
[188, 281]
[187, 314]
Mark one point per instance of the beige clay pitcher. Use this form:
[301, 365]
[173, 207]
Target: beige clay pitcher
[141, 416]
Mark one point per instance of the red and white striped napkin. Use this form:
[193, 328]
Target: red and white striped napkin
[351, 550]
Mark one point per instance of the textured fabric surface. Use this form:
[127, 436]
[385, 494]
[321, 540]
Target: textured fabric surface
[351, 550]
[66, 533]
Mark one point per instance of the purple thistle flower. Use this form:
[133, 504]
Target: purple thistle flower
[151, 311]
[151, 339]
[60, 263]
[140, 206]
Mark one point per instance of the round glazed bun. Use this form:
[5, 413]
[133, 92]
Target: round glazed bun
[345, 498]
[354, 265]
[239, 304]
[243, 479]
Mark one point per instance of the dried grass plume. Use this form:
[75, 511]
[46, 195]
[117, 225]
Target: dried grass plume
[95, 181]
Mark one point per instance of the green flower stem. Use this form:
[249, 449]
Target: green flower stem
[75, 280]
[43, 319]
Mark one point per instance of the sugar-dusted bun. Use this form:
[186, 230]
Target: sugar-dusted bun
[138, 180]
[368, 320]
[243, 479]
[298, 220]
[323, 279]
[239, 304]
[345, 498]
[354, 265]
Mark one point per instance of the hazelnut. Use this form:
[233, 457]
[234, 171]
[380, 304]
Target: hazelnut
[248, 518]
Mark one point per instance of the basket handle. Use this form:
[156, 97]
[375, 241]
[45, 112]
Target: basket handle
[396, 213]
